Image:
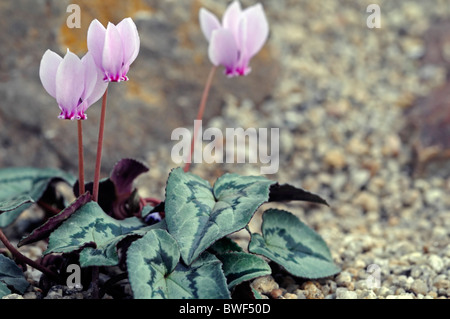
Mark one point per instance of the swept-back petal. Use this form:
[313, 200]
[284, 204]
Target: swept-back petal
[112, 53]
[208, 23]
[69, 83]
[96, 41]
[130, 40]
[231, 17]
[47, 71]
[256, 30]
[223, 49]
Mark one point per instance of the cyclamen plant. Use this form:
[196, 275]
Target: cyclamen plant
[176, 247]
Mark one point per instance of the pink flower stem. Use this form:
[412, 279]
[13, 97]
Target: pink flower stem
[200, 114]
[80, 158]
[23, 259]
[95, 270]
[99, 149]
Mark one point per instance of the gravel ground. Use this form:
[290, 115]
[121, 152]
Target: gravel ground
[340, 105]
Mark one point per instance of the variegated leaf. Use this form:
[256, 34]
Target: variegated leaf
[293, 245]
[154, 271]
[54, 222]
[98, 234]
[225, 245]
[197, 215]
[240, 266]
[22, 186]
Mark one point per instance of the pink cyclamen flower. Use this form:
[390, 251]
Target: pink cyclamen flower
[237, 39]
[113, 48]
[75, 83]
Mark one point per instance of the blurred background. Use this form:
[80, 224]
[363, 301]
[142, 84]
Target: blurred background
[321, 58]
[163, 93]
[363, 115]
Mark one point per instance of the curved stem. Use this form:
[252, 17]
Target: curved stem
[200, 114]
[99, 148]
[48, 207]
[98, 162]
[23, 259]
[80, 158]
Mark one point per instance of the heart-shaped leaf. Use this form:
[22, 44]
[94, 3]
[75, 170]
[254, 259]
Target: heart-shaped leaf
[11, 276]
[197, 214]
[154, 271]
[91, 226]
[293, 245]
[22, 186]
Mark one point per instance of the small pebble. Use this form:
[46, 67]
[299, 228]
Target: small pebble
[403, 296]
[344, 279]
[436, 263]
[335, 159]
[343, 293]
[12, 296]
[419, 287]
[265, 284]
[276, 293]
[290, 296]
[312, 291]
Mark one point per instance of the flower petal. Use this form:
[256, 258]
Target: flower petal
[256, 30]
[130, 39]
[222, 49]
[47, 71]
[112, 53]
[69, 83]
[231, 17]
[90, 74]
[98, 90]
[96, 41]
[208, 23]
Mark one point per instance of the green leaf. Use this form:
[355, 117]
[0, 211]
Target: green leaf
[293, 245]
[11, 276]
[240, 266]
[98, 234]
[22, 186]
[7, 218]
[225, 245]
[256, 293]
[13, 203]
[154, 271]
[4, 290]
[197, 215]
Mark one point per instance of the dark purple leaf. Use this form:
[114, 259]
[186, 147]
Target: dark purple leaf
[124, 173]
[116, 194]
[286, 192]
[106, 193]
[54, 222]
